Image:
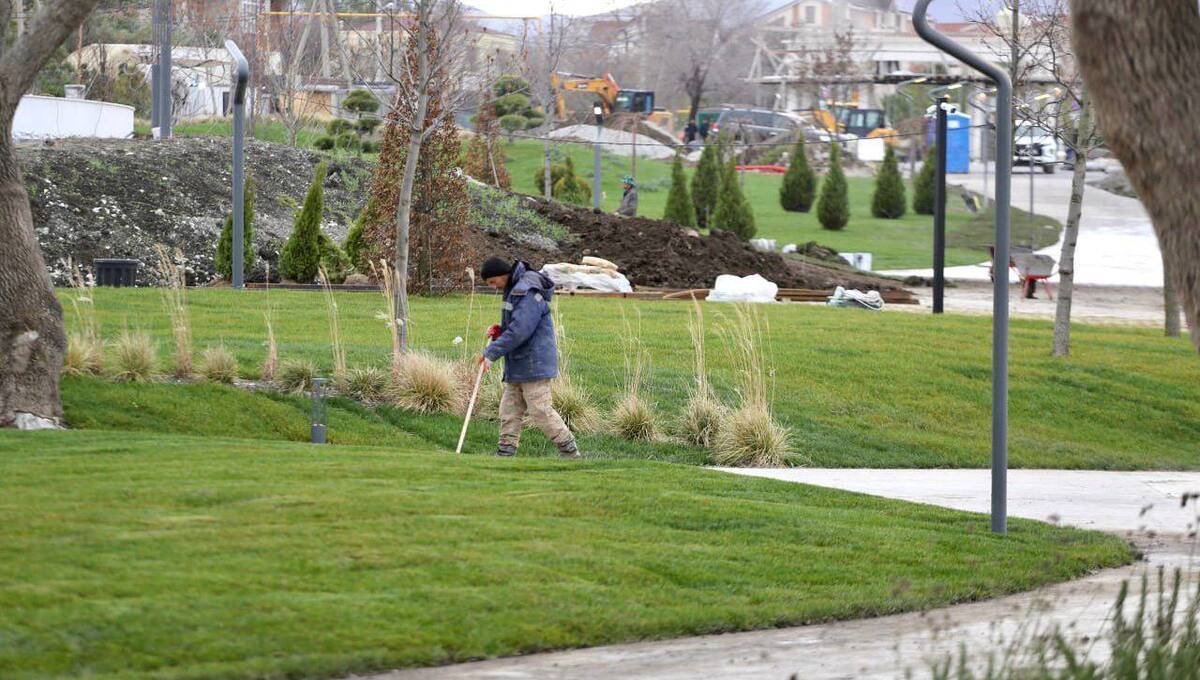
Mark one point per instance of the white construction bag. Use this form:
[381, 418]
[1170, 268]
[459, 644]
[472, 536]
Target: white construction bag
[753, 288]
[573, 276]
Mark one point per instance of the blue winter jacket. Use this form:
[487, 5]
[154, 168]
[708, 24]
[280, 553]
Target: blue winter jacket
[527, 330]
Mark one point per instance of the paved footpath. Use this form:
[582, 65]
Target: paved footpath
[1116, 247]
[1144, 505]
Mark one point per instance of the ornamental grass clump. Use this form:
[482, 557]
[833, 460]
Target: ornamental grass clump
[134, 358]
[296, 375]
[335, 329]
[750, 437]
[85, 355]
[703, 414]
[426, 385]
[570, 399]
[634, 417]
[368, 384]
[173, 277]
[217, 364]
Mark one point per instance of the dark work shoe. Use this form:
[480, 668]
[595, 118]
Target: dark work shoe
[506, 451]
[569, 450]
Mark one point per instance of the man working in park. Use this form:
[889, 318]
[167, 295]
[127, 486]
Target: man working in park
[629, 198]
[525, 338]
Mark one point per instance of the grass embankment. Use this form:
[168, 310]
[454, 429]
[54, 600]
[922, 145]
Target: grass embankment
[150, 555]
[896, 244]
[857, 389]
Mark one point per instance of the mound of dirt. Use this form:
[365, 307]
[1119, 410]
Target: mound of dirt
[119, 198]
[660, 254]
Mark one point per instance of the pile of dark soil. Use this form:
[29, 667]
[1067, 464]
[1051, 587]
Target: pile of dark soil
[660, 254]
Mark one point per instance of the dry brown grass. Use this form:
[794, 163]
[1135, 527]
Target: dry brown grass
[751, 436]
[173, 279]
[134, 358]
[427, 385]
[85, 354]
[217, 364]
[335, 329]
[270, 365]
[387, 288]
[703, 414]
[296, 375]
[634, 417]
[367, 384]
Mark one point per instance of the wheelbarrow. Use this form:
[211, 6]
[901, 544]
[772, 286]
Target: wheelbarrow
[1031, 267]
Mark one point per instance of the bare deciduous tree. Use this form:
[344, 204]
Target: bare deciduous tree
[436, 30]
[543, 61]
[1043, 47]
[1138, 59]
[286, 71]
[695, 39]
[32, 341]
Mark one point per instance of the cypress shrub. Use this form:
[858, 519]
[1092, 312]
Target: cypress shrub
[679, 204]
[923, 187]
[355, 245]
[799, 188]
[302, 252]
[336, 262]
[224, 259]
[572, 189]
[889, 201]
[733, 211]
[833, 208]
[556, 173]
[706, 184]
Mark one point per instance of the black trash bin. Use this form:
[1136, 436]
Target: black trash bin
[116, 273]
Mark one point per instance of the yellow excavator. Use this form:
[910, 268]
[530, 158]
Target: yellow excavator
[612, 98]
[848, 118]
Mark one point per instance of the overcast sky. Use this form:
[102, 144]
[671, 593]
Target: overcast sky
[941, 9]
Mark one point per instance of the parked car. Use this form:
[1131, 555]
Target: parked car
[1036, 146]
[749, 124]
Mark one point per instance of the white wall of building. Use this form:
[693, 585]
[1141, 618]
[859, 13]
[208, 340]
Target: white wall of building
[41, 117]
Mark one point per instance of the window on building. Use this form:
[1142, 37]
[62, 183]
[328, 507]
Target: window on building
[810, 15]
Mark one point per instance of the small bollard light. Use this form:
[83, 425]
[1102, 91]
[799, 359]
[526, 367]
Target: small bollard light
[316, 411]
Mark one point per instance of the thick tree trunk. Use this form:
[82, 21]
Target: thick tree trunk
[32, 342]
[1170, 302]
[1138, 60]
[1066, 260]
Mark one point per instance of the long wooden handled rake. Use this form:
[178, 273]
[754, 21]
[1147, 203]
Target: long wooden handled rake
[462, 436]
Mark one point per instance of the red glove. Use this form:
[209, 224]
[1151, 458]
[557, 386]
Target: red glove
[494, 331]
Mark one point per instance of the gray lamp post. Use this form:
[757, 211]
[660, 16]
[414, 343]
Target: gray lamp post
[1002, 251]
[598, 112]
[239, 162]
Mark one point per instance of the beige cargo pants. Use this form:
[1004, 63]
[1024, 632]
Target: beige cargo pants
[532, 399]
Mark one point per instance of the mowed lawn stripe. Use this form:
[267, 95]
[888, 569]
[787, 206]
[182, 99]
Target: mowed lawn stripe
[142, 555]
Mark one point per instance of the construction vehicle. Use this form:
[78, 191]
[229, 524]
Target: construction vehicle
[846, 118]
[612, 98]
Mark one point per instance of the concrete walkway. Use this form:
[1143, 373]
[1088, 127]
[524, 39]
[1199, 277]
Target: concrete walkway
[1126, 503]
[1117, 245]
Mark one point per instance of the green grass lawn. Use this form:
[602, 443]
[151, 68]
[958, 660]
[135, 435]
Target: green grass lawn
[857, 389]
[166, 556]
[896, 244]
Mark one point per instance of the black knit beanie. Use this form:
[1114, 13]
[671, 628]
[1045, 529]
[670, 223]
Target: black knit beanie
[494, 266]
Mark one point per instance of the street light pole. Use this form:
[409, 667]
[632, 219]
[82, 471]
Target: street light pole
[939, 208]
[239, 162]
[598, 112]
[1002, 252]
